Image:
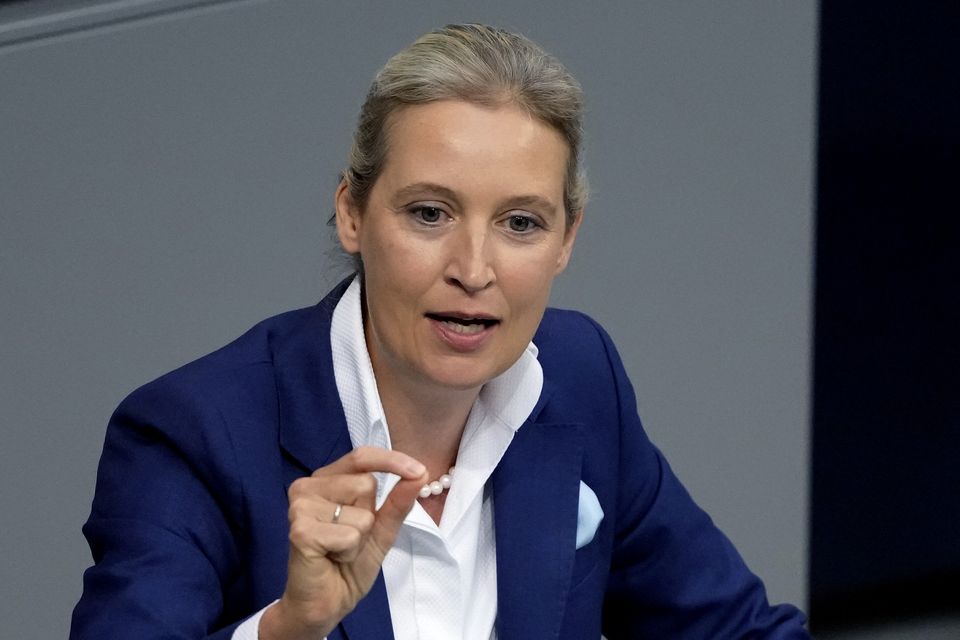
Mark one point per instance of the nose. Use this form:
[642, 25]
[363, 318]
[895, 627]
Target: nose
[470, 260]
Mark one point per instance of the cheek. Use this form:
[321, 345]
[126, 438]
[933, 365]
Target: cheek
[529, 284]
[398, 275]
[391, 256]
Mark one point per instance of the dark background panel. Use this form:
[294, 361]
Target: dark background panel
[886, 463]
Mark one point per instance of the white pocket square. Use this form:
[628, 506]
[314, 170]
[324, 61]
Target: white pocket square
[589, 515]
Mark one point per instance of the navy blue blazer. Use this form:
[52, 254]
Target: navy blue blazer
[188, 527]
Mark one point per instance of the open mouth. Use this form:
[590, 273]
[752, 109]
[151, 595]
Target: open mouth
[466, 326]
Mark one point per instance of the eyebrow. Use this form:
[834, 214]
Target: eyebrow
[421, 188]
[531, 200]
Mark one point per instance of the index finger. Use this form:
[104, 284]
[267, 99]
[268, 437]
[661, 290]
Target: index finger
[372, 460]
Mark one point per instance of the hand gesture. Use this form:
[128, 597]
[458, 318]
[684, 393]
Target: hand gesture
[338, 540]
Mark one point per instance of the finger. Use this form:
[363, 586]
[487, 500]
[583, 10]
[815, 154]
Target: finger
[374, 459]
[314, 539]
[347, 554]
[356, 488]
[360, 519]
[328, 511]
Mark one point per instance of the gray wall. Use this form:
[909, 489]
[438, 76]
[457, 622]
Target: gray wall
[166, 170]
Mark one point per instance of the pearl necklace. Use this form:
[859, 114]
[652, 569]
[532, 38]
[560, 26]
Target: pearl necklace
[438, 486]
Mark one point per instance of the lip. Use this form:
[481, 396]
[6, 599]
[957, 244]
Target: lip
[463, 342]
[464, 315]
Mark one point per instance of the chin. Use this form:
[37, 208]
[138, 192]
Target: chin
[463, 377]
[464, 382]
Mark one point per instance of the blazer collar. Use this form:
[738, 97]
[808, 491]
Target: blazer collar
[307, 390]
[313, 429]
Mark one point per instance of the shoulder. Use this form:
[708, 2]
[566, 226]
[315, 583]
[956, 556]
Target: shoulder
[581, 366]
[238, 368]
[242, 373]
[203, 422]
[568, 337]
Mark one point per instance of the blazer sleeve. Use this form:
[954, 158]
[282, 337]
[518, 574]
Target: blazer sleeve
[160, 527]
[673, 573]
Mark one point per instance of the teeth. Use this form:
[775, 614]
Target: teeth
[456, 327]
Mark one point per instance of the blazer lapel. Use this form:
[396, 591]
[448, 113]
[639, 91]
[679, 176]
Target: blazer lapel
[313, 432]
[313, 428]
[536, 489]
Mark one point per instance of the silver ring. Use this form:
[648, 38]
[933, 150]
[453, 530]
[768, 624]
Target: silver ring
[336, 513]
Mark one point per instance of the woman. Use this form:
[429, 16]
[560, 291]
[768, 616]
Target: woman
[427, 453]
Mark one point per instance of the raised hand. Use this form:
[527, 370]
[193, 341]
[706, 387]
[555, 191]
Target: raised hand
[338, 540]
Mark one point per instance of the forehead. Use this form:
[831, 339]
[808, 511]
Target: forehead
[468, 146]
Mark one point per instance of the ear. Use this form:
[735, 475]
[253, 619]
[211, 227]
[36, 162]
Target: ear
[570, 236]
[348, 219]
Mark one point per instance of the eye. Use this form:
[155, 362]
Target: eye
[427, 214]
[521, 223]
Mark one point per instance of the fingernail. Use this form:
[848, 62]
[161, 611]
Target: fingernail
[416, 468]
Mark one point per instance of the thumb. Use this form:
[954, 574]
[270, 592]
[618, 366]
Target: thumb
[394, 510]
[386, 525]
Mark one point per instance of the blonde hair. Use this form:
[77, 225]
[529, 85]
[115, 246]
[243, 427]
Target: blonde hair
[478, 64]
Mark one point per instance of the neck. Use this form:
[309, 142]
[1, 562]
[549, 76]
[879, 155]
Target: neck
[425, 421]
[426, 424]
